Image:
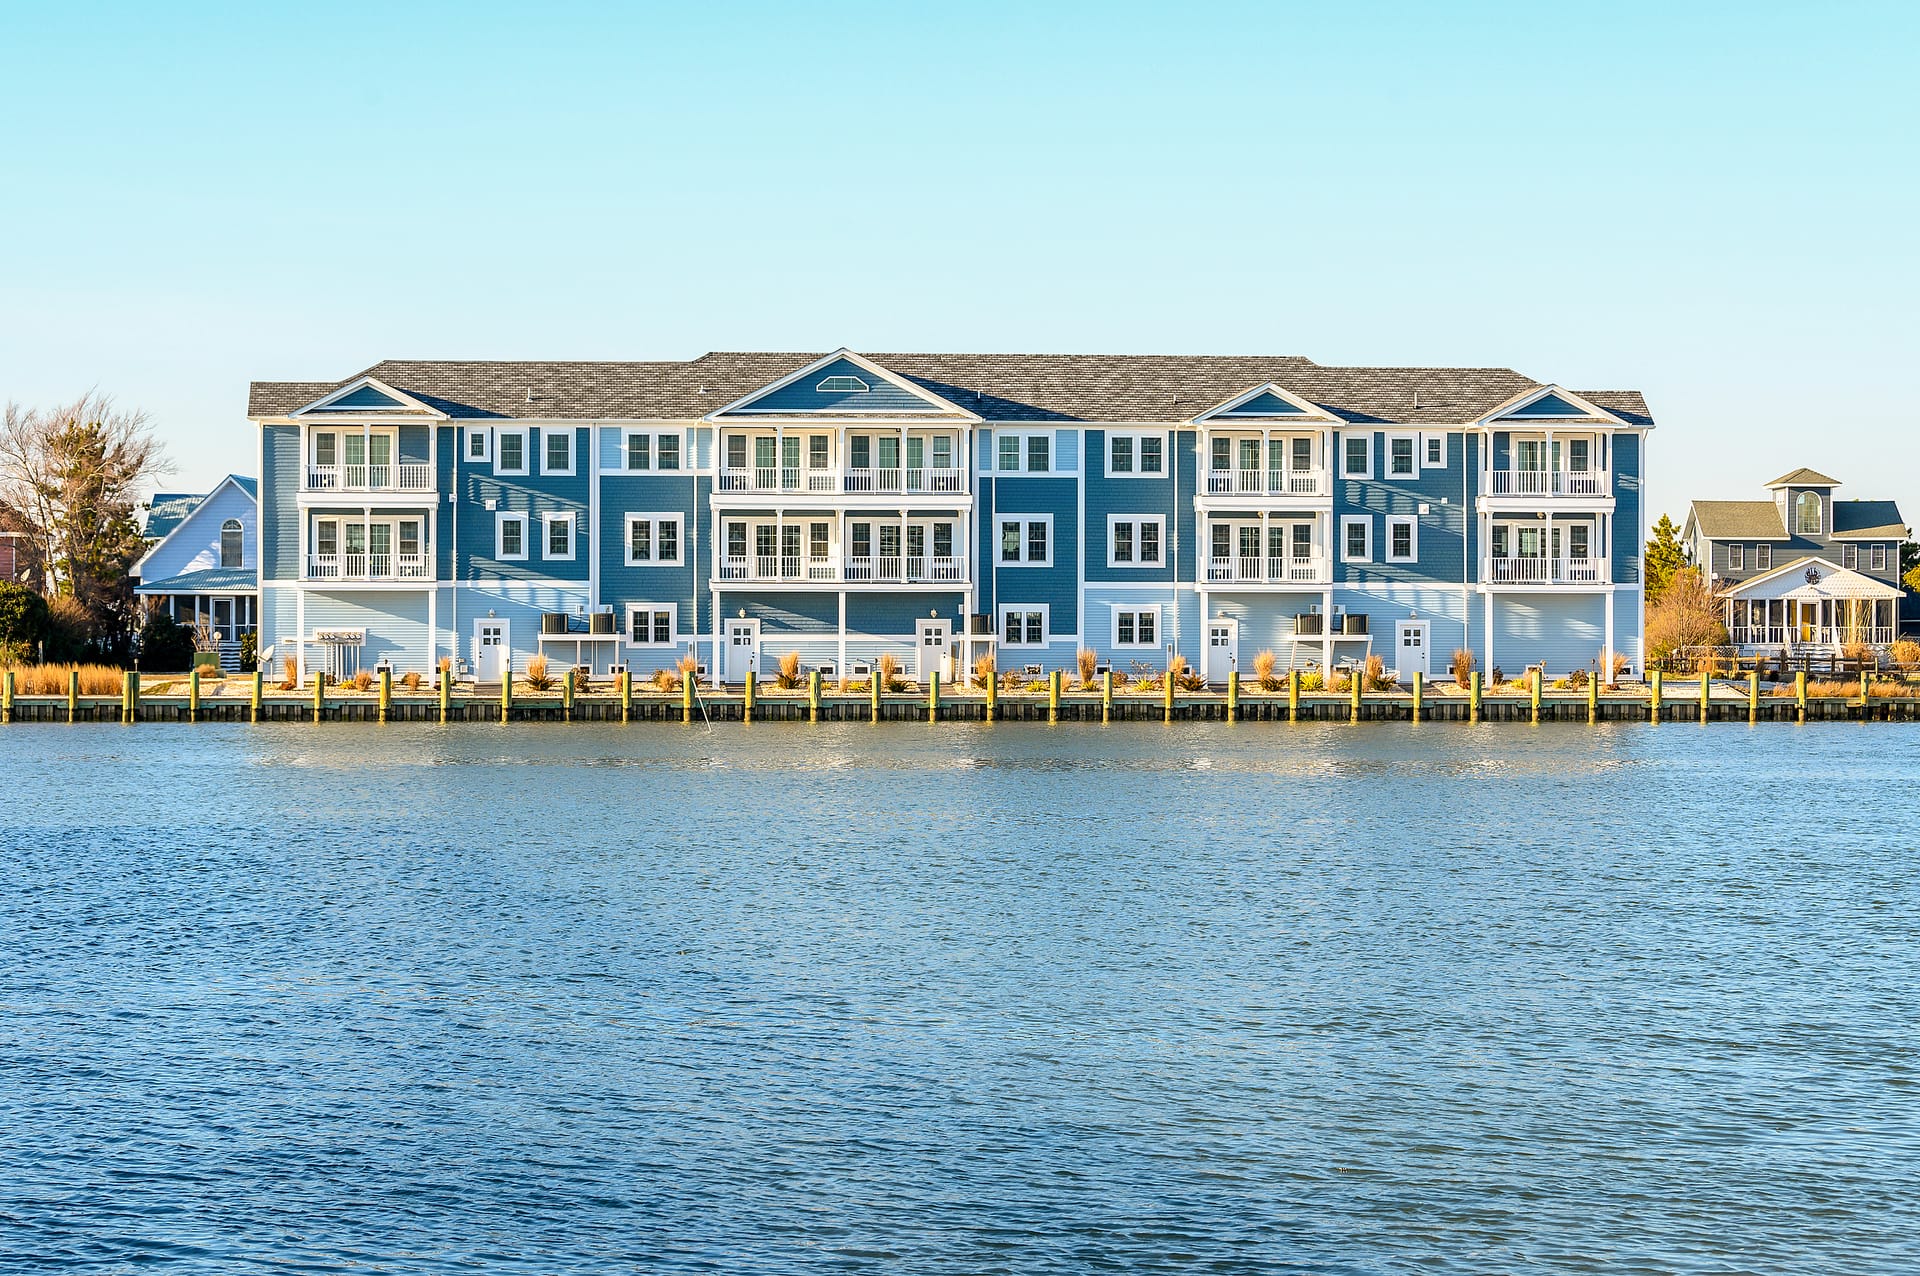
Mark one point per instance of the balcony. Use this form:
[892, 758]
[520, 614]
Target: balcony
[1258, 482]
[1809, 635]
[1258, 570]
[1591, 484]
[877, 481]
[871, 569]
[368, 567]
[407, 476]
[1547, 571]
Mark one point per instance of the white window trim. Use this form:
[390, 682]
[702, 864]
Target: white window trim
[485, 439]
[547, 520]
[1137, 521]
[573, 450]
[673, 623]
[858, 386]
[1877, 557]
[1349, 520]
[1413, 538]
[1053, 451]
[1046, 625]
[656, 519]
[1345, 437]
[500, 536]
[1446, 449]
[1763, 558]
[526, 452]
[653, 451]
[1736, 558]
[1413, 441]
[1137, 610]
[1024, 519]
[1138, 436]
[1850, 552]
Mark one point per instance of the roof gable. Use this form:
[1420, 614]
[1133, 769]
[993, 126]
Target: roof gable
[182, 527]
[1551, 403]
[842, 384]
[364, 395]
[1266, 402]
[1812, 577]
[1804, 477]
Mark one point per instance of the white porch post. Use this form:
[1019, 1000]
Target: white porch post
[1489, 623]
[1606, 648]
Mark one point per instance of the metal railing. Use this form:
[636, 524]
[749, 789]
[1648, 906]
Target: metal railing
[1266, 482]
[407, 476]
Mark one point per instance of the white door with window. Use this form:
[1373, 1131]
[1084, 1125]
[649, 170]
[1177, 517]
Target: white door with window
[490, 658]
[1223, 649]
[935, 640]
[743, 649]
[1411, 644]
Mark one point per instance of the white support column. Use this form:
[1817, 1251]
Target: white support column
[1606, 650]
[841, 653]
[719, 626]
[1489, 641]
[1265, 556]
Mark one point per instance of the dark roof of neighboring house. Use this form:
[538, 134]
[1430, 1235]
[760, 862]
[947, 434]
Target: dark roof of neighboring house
[1738, 520]
[1868, 520]
[208, 580]
[1804, 477]
[997, 387]
[167, 510]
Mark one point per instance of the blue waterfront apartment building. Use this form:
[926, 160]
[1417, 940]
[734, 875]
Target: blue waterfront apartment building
[741, 506]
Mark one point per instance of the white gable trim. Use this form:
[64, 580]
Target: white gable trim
[408, 403]
[1592, 411]
[826, 361]
[1309, 411]
[231, 480]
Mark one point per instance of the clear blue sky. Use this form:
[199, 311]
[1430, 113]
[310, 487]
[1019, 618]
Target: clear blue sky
[1715, 204]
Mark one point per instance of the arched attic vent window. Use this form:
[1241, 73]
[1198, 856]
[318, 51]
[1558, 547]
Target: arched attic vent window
[230, 543]
[843, 385]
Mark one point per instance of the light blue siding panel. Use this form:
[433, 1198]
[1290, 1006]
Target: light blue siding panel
[396, 625]
[195, 544]
[279, 497]
[1566, 632]
[1066, 450]
[278, 622]
[805, 395]
[788, 612]
[1267, 624]
[1179, 616]
[521, 606]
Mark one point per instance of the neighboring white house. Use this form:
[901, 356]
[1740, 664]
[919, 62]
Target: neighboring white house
[203, 562]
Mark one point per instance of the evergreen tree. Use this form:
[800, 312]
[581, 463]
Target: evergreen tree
[1665, 556]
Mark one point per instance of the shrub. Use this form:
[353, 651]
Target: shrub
[1086, 659]
[666, 680]
[70, 628]
[290, 672]
[1616, 669]
[363, 680]
[410, 680]
[788, 676]
[887, 670]
[538, 677]
[858, 687]
[1577, 679]
[1687, 615]
[1904, 651]
[1861, 652]
[1338, 682]
[23, 622]
[1462, 667]
[1377, 679]
[1313, 680]
[983, 668]
[1263, 672]
[166, 646]
[1182, 675]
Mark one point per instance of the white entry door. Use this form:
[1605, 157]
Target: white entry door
[1223, 650]
[1411, 642]
[936, 639]
[743, 649]
[490, 650]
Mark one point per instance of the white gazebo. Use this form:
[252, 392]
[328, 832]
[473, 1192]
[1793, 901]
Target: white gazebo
[1811, 602]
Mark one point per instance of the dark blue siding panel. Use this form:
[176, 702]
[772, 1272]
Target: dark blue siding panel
[1266, 403]
[1058, 586]
[1552, 405]
[279, 502]
[366, 397]
[416, 443]
[895, 614]
[1106, 497]
[1629, 513]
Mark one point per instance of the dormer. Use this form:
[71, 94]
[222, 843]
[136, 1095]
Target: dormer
[1805, 501]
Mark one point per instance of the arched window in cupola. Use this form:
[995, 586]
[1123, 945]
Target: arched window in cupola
[1806, 518]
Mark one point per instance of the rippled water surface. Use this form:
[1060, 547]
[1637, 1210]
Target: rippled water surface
[960, 999]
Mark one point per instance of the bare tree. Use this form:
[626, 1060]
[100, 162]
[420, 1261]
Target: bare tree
[68, 480]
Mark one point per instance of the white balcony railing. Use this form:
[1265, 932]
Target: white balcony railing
[353, 566]
[407, 476]
[1541, 570]
[880, 481]
[1272, 570]
[1550, 483]
[1257, 482]
[882, 569]
[1810, 635]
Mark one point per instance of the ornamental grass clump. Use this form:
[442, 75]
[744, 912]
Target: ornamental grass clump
[1462, 667]
[887, 670]
[538, 676]
[410, 680]
[983, 669]
[52, 680]
[1861, 653]
[788, 676]
[666, 680]
[1904, 652]
[1338, 682]
[363, 680]
[1616, 665]
[1086, 658]
[1263, 672]
[1376, 675]
[289, 673]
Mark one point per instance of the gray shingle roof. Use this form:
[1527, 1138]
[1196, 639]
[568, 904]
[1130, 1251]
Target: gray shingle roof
[998, 387]
[1804, 477]
[1871, 520]
[1739, 520]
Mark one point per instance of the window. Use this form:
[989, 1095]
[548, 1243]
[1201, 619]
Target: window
[1356, 454]
[1136, 627]
[648, 450]
[1850, 557]
[1136, 455]
[1400, 455]
[1403, 540]
[1877, 556]
[559, 536]
[510, 536]
[650, 625]
[1030, 452]
[842, 385]
[653, 540]
[667, 451]
[1023, 625]
[1026, 540]
[639, 451]
[1009, 451]
[1806, 519]
[1134, 541]
[1763, 557]
[1356, 538]
[230, 543]
[1736, 558]
[478, 445]
[1436, 451]
[1579, 455]
[558, 458]
[513, 452]
[1039, 453]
